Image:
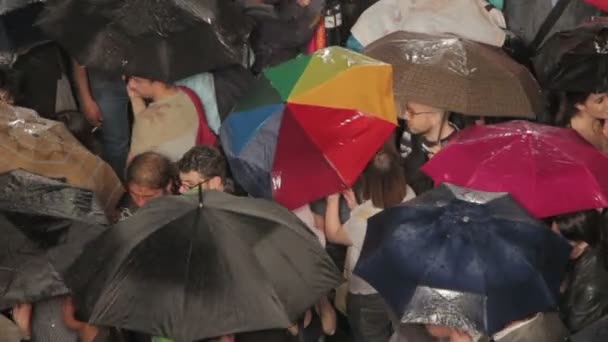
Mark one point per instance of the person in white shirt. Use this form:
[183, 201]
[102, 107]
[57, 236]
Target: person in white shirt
[382, 185]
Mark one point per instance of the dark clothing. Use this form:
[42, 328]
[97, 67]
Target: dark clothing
[586, 297]
[47, 322]
[40, 69]
[368, 318]
[320, 206]
[415, 150]
[524, 17]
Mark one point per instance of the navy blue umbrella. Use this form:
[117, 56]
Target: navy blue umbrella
[465, 259]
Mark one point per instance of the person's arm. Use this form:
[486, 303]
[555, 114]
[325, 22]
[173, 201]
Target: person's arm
[334, 231]
[88, 106]
[22, 315]
[68, 316]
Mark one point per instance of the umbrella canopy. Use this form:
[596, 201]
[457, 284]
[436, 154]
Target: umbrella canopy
[47, 148]
[310, 126]
[11, 5]
[597, 331]
[462, 258]
[240, 264]
[575, 60]
[543, 167]
[160, 40]
[458, 75]
[17, 30]
[601, 4]
[44, 226]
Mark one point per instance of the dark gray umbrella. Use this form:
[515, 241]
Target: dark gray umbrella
[10, 5]
[44, 224]
[239, 264]
[160, 40]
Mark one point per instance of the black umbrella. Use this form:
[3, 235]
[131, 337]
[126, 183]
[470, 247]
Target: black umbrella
[44, 225]
[595, 332]
[11, 5]
[191, 272]
[575, 60]
[161, 40]
[30, 194]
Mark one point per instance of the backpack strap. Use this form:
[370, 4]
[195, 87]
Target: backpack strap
[205, 135]
[548, 24]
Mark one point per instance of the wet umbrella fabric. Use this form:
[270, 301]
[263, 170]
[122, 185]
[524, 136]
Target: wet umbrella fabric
[44, 226]
[11, 5]
[240, 264]
[160, 40]
[466, 259]
[310, 126]
[553, 165]
[597, 331]
[575, 60]
[458, 75]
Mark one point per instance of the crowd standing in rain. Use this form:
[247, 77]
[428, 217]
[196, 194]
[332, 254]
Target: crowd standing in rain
[304, 170]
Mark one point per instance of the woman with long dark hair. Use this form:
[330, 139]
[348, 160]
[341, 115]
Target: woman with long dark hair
[585, 113]
[585, 296]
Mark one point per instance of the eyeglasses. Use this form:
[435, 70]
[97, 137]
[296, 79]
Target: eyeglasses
[190, 187]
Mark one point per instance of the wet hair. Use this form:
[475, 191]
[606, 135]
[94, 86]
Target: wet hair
[383, 181]
[151, 169]
[206, 160]
[563, 106]
[585, 226]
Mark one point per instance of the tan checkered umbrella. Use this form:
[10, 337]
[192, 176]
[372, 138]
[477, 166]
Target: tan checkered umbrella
[458, 75]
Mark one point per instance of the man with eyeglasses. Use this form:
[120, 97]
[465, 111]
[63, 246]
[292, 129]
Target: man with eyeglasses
[428, 129]
[203, 166]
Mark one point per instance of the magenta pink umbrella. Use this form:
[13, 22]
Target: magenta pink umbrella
[548, 170]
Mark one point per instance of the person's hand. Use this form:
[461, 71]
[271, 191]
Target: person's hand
[22, 314]
[351, 199]
[333, 198]
[92, 112]
[133, 94]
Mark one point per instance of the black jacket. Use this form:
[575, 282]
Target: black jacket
[586, 298]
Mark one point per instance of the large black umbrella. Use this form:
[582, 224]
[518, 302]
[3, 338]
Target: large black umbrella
[462, 258]
[161, 40]
[44, 226]
[190, 272]
[575, 60]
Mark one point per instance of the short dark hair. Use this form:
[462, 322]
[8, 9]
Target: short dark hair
[152, 170]
[206, 160]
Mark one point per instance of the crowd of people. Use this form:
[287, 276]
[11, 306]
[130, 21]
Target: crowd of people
[161, 140]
